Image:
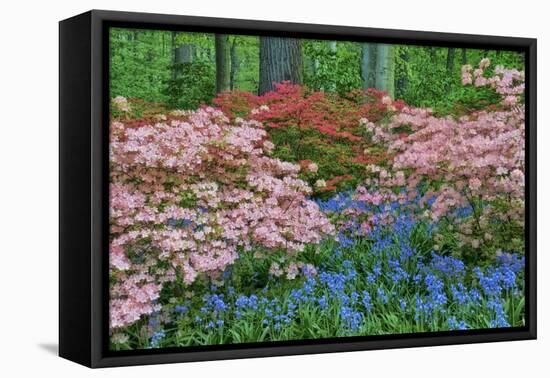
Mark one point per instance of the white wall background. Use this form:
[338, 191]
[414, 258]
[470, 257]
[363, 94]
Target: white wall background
[29, 189]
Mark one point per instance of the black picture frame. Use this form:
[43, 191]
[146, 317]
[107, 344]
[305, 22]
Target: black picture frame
[83, 181]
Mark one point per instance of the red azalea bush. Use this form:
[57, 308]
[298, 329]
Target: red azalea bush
[323, 127]
[187, 195]
[295, 105]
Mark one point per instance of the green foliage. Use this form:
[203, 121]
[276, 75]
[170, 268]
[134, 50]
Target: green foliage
[139, 63]
[248, 57]
[492, 237]
[317, 127]
[142, 66]
[425, 77]
[332, 66]
[194, 84]
[334, 158]
[395, 314]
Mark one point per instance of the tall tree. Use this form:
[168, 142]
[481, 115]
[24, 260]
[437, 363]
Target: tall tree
[464, 57]
[174, 70]
[222, 63]
[433, 53]
[385, 69]
[368, 65]
[280, 60]
[235, 64]
[450, 68]
[310, 65]
[402, 82]
[450, 60]
[184, 54]
[333, 48]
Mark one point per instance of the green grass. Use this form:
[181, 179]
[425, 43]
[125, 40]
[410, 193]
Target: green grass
[310, 320]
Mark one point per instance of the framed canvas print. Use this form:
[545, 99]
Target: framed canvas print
[233, 188]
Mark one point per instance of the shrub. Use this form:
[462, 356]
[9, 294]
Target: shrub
[187, 195]
[192, 85]
[473, 164]
[323, 127]
[135, 109]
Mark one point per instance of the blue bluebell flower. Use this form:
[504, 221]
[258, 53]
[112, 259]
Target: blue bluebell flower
[157, 338]
[323, 303]
[181, 309]
[447, 265]
[352, 318]
[460, 294]
[382, 295]
[366, 301]
[456, 325]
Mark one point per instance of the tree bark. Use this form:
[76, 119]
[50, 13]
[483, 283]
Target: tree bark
[433, 54]
[450, 60]
[333, 48]
[184, 54]
[210, 56]
[402, 82]
[450, 68]
[174, 71]
[385, 69]
[222, 63]
[368, 65]
[309, 64]
[280, 60]
[235, 64]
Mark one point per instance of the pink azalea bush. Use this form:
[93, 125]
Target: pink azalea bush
[187, 195]
[476, 161]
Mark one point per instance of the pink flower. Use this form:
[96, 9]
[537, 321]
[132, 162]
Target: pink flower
[510, 100]
[475, 183]
[386, 100]
[121, 103]
[484, 63]
[190, 194]
[312, 168]
[275, 270]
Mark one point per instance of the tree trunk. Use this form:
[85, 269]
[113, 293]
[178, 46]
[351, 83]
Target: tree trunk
[222, 63]
[402, 82]
[368, 65]
[433, 54]
[450, 60]
[184, 54]
[209, 55]
[309, 64]
[280, 60]
[134, 40]
[174, 71]
[333, 48]
[450, 68]
[385, 69]
[235, 63]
